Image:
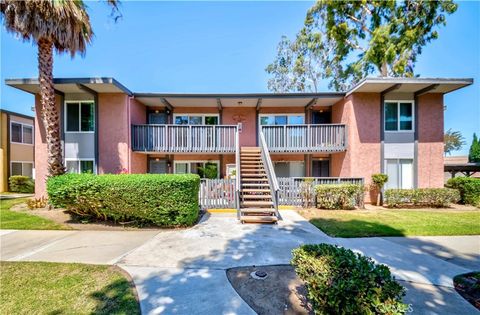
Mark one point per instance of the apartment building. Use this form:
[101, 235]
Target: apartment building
[389, 125]
[16, 146]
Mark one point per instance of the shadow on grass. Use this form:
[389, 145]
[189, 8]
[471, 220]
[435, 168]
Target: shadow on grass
[117, 297]
[355, 228]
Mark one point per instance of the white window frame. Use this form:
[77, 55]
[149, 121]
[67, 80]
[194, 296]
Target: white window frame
[203, 115]
[281, 114]
[189, 170]
[23, 125]
[79, 160]
[23, 172]
[398, 116]
[399, 173]
[65, 121]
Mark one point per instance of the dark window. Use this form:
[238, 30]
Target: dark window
[157, 167]
[406, 116]
[86, 167]
[321, 118]
[87, 117]
[157, 118]
[391, 112]
[16, 132]
[73, 121]
[320, 168]
[211, 120]
[80, 116]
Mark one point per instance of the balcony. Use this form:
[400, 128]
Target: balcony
[184, 138]
[326, 138]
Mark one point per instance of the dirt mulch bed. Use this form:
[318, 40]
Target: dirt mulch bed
[468, 286]
[280, 292]
[61, 216]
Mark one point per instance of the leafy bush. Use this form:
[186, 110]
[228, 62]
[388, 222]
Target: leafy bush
[339, 196]
[378, 181]
[340, 281]
[21, 184]
[469, 188]
[164, 200]
[421, 197]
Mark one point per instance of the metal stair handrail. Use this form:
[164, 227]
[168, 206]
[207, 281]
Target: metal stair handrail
[272, 177]
[238, 178]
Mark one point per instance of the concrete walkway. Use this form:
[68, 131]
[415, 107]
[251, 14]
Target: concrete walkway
[183, 271]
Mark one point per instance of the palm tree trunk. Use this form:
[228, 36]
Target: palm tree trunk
[49, 114]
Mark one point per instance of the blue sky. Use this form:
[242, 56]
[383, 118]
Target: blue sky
[224, 47]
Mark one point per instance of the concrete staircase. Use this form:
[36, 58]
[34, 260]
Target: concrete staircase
[256, 203]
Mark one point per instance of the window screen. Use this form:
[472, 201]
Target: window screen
[16, 132]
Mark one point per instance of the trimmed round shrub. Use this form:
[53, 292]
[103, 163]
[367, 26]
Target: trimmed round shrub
[469, 188]
[421, 197]
[167, 200]
[21, 184]
[339, 196]
[340, 281]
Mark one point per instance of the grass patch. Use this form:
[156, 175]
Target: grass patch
[23, 221]
[395, 222]
[54, 288]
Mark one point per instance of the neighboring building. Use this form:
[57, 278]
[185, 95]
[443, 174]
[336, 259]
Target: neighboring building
[458, 166]
[17, 146]
[389, 125]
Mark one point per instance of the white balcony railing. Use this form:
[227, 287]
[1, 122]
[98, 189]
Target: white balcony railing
[184, 138]
[306, 138]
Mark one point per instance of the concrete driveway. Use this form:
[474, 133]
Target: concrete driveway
[183, 271]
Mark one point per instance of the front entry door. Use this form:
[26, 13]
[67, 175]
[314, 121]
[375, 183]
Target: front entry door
[320, 168]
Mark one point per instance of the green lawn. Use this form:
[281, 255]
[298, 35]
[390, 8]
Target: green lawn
[53, 288]
[23, 221]
[398, 222]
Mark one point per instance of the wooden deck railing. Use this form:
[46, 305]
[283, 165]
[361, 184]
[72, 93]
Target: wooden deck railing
[217, 193]
[306, 138]
[184, 138]
[222, 193]
[291, 190]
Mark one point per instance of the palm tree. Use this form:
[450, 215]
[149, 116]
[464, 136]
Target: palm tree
[60, 24]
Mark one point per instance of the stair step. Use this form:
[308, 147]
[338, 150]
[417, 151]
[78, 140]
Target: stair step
[252, 171]
[257, 210]
[269, 197]
[256, 190]
[254, 179]
[258, 219]
[250, 154]
[250, 158]
[246, 204]
[255, 185]
[253, 175]
[250, 148]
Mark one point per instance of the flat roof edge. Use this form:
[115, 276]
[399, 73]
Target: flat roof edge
[91, 80]
[241, 95]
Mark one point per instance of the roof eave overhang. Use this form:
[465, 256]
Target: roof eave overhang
[413, 85]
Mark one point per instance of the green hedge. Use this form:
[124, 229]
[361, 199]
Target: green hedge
[164, 200]
[339, 196]
[340, 281]
[469, 188]
[421, 197]
[21, 184]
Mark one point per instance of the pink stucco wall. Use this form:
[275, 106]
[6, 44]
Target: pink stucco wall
[246, 116]
[430, 140]
[138, 115]
[41, 154]
[113, 133]
[361, 113]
